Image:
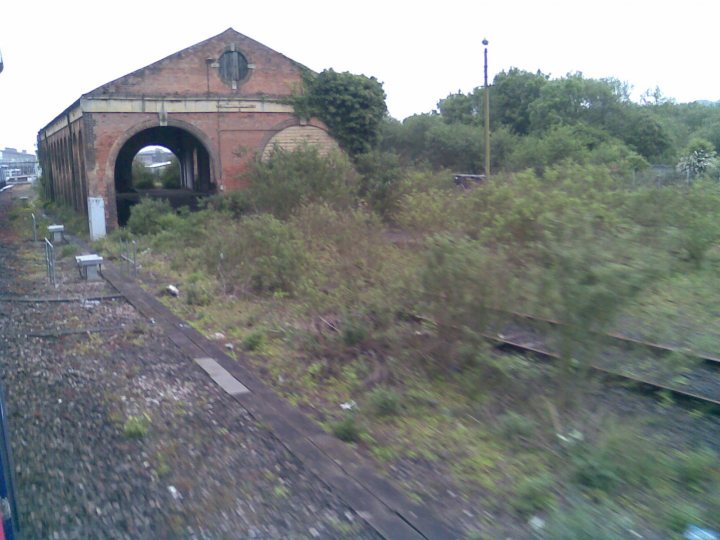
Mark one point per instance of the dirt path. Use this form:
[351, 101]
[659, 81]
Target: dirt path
[117, 434]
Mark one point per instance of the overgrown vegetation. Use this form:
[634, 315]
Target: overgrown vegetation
[386, 334]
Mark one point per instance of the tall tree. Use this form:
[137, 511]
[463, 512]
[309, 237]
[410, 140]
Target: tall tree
[511, 96]
[352, 106]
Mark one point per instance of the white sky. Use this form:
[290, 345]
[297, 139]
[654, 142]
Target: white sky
[54, 51]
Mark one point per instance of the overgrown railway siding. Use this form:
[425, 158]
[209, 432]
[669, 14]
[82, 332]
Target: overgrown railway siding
[105, 424]
[687, 374]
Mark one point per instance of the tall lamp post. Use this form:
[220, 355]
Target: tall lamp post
[487, 115]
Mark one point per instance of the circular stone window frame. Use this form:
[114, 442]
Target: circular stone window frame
[249, 67]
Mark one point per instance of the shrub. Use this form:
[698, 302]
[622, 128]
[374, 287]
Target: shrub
[462, 283]
[514, 426]
[289, 179]
[237, 203]
[584, 521]
[254, 341]
[68, 251]
[533, 493]
[136, 427]
[347, 429]
[693, 468]
[678, 516]
[260, 253]
[384, 401]
[381, 180]
[199, 290]
[433, 211]
[621, 455]
[150, 216]
[354, 331]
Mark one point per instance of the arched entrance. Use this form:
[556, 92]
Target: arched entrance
[195, 171]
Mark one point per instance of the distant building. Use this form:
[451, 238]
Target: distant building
[216, 105]
[17, 163]
[154, 156]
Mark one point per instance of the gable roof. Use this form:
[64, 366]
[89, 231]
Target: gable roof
[193, 72]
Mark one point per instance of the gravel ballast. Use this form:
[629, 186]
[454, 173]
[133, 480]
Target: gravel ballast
[117, 434]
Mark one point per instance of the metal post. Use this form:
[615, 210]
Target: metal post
[50, 260]
[134, 257]
[487, 114]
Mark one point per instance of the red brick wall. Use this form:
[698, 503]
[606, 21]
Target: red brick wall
[188, 72]
[231, 138]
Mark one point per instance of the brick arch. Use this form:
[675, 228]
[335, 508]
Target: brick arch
[191, 147]
[292, 133]
[172, 122]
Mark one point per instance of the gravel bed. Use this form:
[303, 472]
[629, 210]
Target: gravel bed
[118, 435]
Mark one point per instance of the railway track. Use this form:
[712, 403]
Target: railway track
[621, 357]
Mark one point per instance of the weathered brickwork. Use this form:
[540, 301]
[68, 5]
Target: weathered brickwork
[214, 125]
[293, 137]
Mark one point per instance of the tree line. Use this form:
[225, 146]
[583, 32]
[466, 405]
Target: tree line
[535, 120]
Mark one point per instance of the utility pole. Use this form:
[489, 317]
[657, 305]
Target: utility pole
[487, 115]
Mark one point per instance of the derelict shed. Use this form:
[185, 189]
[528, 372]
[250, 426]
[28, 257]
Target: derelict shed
[214, 105]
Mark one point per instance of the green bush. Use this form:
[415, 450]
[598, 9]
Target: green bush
[381, 180]
[621, 455]
[693, 468]
[170, 177]
[151, 216]
[68, 251]
[514, 426]
[199, 290]
[585, 521]
[260, 253]
[236, 203]
[254, 341]
[681, 514]
[354, 331]
[533, 494]
[433, 211]
[347, 429]
[354, 267]
[136, 427]
[289, 179]
[463, 282]
[384, 401]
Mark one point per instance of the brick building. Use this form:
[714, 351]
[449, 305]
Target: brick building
[17, 163]
[216, 105]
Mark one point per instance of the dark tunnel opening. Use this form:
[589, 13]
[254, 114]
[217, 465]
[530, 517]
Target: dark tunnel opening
[190, 181]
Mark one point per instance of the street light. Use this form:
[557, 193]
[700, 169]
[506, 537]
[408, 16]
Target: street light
[487, 115]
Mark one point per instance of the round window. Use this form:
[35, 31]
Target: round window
[233, 67]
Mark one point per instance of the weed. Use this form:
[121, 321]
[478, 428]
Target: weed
[136, 427]
[693, 468]
[533, 493]
[584, 521]
[384, 401]
[621, 455]
[254, 341]
[280, 491]
[162, 468]
[678, 516]
[354, 332]
[384, 453]
[68, 251]
[315, 369]
[199, 290]
[347, 429]
[514, 426]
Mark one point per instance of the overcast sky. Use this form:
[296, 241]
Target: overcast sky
[54, 51]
